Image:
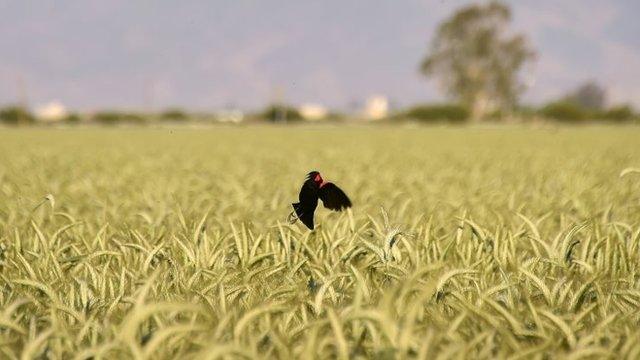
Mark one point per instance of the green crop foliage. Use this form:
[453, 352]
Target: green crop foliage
[462, 243]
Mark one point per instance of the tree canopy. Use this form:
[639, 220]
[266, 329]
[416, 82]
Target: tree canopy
[589, 95]
[477, 60]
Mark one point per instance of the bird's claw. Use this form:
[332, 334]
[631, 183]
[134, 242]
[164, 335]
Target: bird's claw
[292, 218]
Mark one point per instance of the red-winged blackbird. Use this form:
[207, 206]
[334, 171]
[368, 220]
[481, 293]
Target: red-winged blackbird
[315, 188]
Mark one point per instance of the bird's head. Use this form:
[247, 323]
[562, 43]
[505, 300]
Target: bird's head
[316, 177]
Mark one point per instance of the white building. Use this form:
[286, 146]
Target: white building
[232, 116]
[51, 112]
[377, 107]
[313, 112]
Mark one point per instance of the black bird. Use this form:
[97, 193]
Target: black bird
[315, 188]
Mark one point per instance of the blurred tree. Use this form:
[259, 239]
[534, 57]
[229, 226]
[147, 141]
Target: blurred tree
[281, 113]
[438, 112]
[16, 115]
[590, 96]
[73, 118]
[174, 114]
[477, 60]
[619, 113]
[564, 111]
[115, 117]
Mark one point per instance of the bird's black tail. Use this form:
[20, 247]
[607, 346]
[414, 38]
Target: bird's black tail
[302, 214]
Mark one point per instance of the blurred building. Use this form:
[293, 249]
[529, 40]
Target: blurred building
[51, 112]
[313, 112]
[233, 116]
[377, 107]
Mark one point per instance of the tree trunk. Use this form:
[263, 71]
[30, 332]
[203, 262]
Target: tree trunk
[479, 108]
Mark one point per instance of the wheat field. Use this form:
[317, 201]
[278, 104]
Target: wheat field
[476, 243]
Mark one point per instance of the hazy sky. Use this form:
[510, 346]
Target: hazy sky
[208, 54]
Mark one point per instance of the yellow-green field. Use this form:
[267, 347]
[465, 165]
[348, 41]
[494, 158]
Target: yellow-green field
[462, 243]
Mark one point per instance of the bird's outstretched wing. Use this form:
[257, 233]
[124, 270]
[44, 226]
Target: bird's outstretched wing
[333, 197]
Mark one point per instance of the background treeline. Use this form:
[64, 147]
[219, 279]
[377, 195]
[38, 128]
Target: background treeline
[564, 110]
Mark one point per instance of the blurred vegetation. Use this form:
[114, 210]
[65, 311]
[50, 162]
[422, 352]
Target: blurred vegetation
[567, 111]
[476, 61]
[73, 118]
[589, 96]
[16, 115]
[115, 117]
[174, 114]
[336, 116]
[280, 113]
[564, 111]
[438, 113]
[619, 113]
